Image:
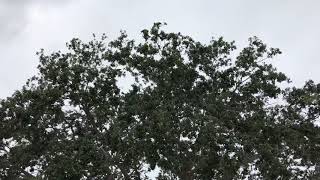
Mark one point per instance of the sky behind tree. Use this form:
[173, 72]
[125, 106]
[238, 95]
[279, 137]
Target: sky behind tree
[28, 25]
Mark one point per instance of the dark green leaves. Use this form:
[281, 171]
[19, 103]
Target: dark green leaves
[193, 112]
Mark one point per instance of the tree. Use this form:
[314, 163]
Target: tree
[193, 112]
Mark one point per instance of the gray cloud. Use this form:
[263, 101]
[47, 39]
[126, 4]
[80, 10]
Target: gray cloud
[14, 15]
[12, 19]
[28, 25]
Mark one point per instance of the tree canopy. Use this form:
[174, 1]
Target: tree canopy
[194, 111]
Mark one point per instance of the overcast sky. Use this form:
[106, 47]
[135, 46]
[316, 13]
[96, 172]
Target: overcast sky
[28, 25]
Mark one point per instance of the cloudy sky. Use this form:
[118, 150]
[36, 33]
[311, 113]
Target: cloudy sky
[28, 25]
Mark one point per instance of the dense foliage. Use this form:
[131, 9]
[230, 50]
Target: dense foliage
[194, 111]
